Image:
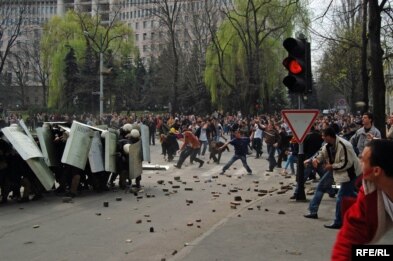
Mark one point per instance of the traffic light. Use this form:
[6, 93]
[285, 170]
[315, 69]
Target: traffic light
[298, 64]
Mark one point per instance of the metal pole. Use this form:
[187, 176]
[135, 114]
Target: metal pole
[301, 195]
[101, 84]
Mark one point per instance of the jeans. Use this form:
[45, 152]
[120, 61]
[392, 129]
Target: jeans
[271, 150]
[347, 189]
[235, 158]
[292, 159]
[324, 185]
[188, 152]
[257, 145]
[204, 144]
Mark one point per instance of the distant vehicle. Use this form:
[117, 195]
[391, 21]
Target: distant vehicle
[326, 112]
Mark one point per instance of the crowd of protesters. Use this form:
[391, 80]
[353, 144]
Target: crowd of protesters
[333, 148]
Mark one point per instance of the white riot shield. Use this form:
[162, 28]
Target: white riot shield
[96, 154]
[30, 152]
[78, 146]
[135, 160]
[26, 147]
[46, 138]
[110, 152]
[26, 130]
[42, 171]
[145, 142]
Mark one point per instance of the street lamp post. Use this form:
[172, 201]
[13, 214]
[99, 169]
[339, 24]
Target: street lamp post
[101, 83]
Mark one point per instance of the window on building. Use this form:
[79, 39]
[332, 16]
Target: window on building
[144, 37]
[136, 25]
[145, 48]
[137, 37]
[144, 24]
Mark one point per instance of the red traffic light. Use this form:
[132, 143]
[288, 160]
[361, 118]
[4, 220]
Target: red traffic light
[292, 65]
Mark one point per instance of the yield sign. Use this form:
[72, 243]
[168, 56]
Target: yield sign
[300, 122]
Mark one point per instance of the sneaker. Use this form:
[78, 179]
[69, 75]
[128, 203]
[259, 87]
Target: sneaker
[222, 172]
[201, 164]
[249, 173]
[269, 170]
[311, 215]
[177, 166]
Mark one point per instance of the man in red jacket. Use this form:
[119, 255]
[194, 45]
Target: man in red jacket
[368, 219]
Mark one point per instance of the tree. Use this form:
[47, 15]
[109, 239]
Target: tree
[243, 57]
[168, 12]
[376, 64]
[71, 75]
[15, 13]
[81, 31]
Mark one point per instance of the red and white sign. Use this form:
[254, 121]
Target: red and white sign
[300, 122]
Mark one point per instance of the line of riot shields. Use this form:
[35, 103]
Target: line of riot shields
[62, 156]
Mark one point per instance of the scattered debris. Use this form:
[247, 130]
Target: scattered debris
[238, 198]
[98, 214]
[151, 229]
[188, 189]
[106, 204]
[138, 221]
[118, 199]
[36, 226]
[128, 240]
[281, 212]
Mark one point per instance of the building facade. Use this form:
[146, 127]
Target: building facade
[143, 16]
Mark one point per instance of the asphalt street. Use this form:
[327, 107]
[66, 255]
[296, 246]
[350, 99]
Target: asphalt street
[181, 214]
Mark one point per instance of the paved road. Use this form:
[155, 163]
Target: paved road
[192, 219]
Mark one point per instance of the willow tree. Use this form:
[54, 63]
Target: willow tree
[246, 50]
[79, 30]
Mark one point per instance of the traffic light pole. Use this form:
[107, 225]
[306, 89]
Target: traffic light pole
[300, 195]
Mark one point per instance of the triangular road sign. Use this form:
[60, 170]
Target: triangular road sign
[300, 122]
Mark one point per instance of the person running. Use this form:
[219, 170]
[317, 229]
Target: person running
[240, 144]
[190, 147]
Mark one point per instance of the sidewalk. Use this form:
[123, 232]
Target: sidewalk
[263, 234]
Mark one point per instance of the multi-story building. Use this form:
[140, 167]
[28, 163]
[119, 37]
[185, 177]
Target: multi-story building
[140, 15]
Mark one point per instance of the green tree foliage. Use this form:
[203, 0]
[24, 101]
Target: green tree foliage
[340, 66]
[78, 30]
[246, 52]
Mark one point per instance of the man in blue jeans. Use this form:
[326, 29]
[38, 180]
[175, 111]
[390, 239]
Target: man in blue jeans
[339, 158]
[240, 143]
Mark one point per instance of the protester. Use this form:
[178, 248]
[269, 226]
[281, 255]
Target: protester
[340, 158]
[190, 147]
[241, 147]
[272, 138]
[365, 134]
[371, 216]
